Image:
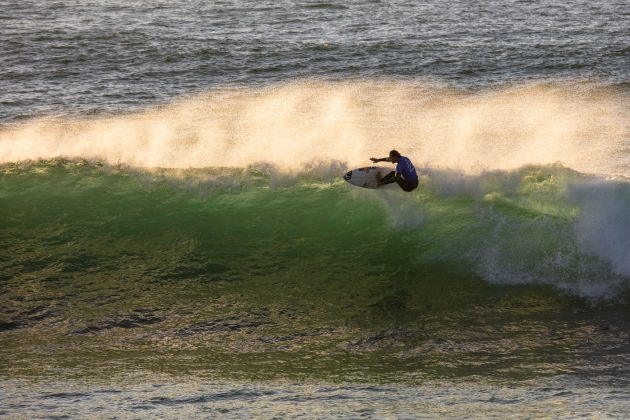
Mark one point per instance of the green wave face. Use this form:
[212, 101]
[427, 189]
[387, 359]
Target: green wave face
[222, 270]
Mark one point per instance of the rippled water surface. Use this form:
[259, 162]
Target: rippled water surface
[78, 56]
[560, 397]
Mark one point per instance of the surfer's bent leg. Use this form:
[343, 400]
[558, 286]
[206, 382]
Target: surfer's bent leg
[389, 178]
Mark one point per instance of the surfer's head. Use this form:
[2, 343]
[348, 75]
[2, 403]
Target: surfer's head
[394, 155]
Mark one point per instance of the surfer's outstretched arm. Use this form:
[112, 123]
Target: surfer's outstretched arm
[386, 159]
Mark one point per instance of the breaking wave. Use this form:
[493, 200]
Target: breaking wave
[518, 185]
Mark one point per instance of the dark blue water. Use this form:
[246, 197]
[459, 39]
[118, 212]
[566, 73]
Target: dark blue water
[80, 56]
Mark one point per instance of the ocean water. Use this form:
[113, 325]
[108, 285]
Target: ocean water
[176, 238]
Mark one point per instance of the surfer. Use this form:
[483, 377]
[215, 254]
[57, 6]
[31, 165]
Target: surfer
[405, 174]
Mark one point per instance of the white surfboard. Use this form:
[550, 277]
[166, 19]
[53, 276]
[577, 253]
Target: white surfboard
[366, 177]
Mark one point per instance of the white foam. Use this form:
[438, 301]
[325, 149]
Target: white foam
[603, 227]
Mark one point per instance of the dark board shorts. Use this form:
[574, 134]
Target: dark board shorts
[407, 185]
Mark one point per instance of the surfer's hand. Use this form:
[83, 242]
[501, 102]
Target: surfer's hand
[374, 160]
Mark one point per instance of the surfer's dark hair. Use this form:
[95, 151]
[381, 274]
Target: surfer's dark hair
[394, 152]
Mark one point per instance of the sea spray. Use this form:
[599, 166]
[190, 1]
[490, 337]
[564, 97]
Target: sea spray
[293, 124]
